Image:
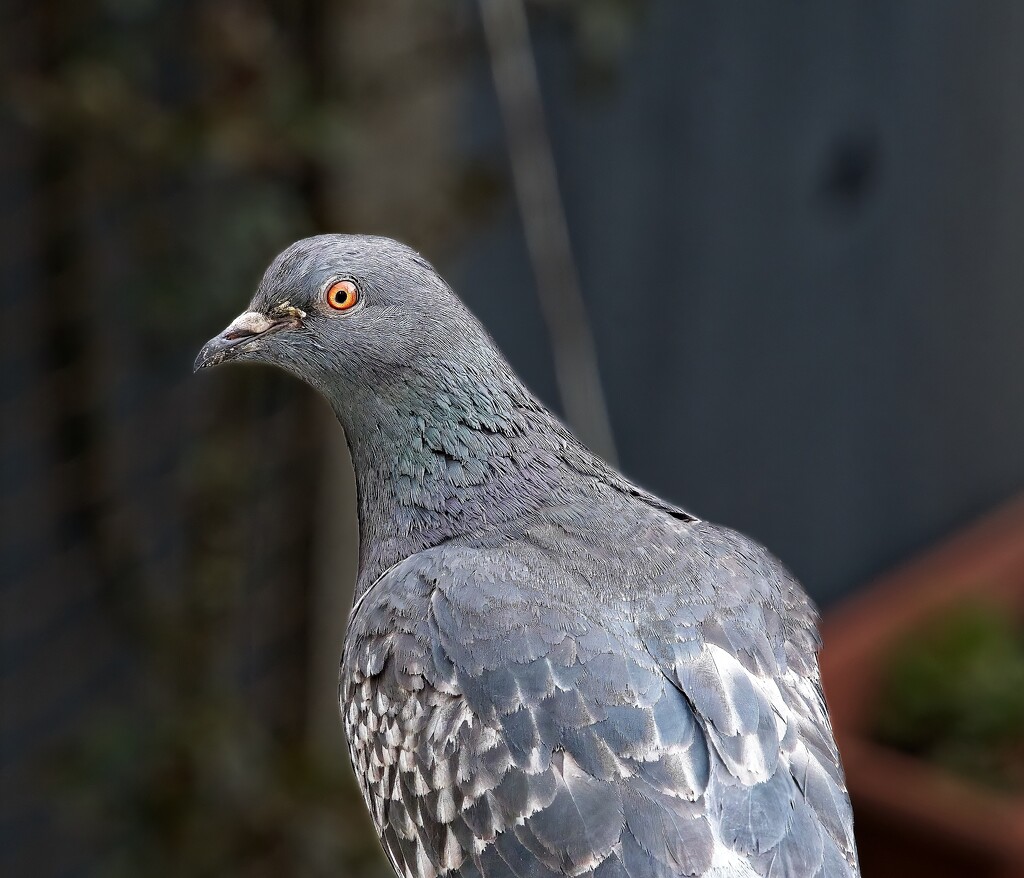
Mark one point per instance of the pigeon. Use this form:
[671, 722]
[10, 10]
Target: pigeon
[547, 671]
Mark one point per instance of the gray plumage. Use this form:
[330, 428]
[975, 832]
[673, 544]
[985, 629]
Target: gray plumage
[548, 671]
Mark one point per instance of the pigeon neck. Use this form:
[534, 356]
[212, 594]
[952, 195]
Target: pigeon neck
[446, 457]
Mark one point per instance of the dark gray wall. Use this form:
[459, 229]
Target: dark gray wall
[800, 229]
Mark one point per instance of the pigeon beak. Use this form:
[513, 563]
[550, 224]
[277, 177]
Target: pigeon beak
[244, 328]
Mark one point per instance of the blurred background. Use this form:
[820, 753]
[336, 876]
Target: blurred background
[792, 233]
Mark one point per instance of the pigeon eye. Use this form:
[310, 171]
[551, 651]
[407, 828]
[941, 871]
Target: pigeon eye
[342, 295]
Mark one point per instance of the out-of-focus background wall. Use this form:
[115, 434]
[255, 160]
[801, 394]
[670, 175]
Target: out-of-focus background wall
[798, 231]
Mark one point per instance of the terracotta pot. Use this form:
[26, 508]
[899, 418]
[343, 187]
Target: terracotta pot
[913, 818]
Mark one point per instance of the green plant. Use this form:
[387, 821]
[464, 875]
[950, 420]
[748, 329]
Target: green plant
[953, 693]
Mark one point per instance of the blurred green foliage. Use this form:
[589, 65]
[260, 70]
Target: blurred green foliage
[205, 789]
[953, 693]
[196, 775]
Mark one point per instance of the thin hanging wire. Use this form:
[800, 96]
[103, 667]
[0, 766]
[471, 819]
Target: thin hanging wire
[544, 225]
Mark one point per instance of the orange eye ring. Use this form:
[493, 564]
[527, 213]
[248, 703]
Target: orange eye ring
[342, 295]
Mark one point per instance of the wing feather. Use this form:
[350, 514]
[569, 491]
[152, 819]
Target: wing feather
[498, 732]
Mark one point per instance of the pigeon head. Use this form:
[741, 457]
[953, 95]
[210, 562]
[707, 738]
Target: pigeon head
[437, 422]
[354, 316]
